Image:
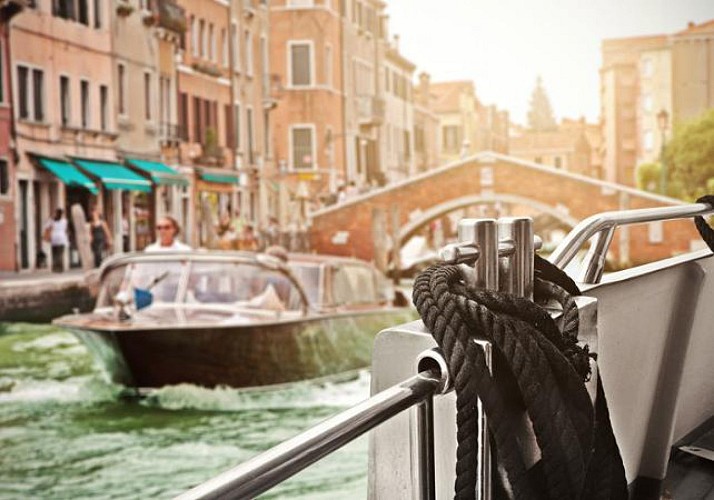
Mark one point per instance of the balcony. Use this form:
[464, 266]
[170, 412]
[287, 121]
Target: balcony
[172, 16]
[170, 134]
[370, 110]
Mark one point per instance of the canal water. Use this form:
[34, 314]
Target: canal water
[66, 433]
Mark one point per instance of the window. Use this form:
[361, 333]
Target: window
[202, 38]
[301, 3]
[224, 49]
[265, 65]
[558, 162]
[83, 12]
[648, 140]
[266, 133]
[302, 150]
[647, 68]
[647, 103]
[38, 77]
[230, 135]
[183, 116]
[97, 14]
[84, 101]
[236, 124]
[23, 89]
[197, 120]
[407, 145]
[147, 96]
[64, 100]
[122, 89]
[300, 64]
[248, 53]
[236, 47]
[194, 36]
[4, 177]
[211, 43]
[249, 131]
[104, 107]
[328, 65]
[451, 140]
[2, 71]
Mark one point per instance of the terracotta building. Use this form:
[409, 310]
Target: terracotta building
[8, 10]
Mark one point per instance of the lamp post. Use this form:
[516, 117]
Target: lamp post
[662, 120]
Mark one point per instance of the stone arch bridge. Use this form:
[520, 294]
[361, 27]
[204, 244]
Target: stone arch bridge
[355, 227]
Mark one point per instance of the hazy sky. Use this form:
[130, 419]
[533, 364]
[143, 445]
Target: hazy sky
[502, 45]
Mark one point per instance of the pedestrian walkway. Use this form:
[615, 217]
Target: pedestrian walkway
[17, 280]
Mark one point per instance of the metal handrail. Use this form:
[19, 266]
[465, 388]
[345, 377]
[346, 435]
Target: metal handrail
[273, 466]
[605, 223]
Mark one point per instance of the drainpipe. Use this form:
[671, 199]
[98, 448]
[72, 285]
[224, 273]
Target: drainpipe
[345, 62]
[13, 136]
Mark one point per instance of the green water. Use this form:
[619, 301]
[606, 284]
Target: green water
[66, 433]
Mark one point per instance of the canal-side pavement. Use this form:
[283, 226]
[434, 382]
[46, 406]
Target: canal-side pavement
[41, 296]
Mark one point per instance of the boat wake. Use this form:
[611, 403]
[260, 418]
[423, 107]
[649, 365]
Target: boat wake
[331, 393]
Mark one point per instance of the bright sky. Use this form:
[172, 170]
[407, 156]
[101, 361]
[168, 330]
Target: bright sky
[502, 45]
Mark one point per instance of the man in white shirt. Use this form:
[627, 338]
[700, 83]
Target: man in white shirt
[167, 230]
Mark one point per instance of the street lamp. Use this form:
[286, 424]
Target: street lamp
[662, 120]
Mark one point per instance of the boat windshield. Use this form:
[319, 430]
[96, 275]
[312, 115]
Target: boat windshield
[309, 276]
[239, 284]
[244, 285]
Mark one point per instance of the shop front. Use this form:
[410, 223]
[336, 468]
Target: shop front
[170, 187]
[217, 194]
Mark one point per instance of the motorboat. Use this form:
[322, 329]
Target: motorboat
[239, 319]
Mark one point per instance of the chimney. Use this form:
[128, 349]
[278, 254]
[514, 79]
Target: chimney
[691, 24]
[395, 42]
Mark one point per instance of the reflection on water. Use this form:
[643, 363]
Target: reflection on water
[65, 433]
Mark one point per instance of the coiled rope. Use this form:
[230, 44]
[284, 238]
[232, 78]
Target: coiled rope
[539, 369]
[705, 231]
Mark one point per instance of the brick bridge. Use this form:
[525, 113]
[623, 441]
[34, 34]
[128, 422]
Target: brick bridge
[353, 228]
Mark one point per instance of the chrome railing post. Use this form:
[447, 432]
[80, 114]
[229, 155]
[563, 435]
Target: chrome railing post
[594, 261]
[483, 234]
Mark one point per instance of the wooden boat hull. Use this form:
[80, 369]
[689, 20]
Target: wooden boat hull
[240, 355]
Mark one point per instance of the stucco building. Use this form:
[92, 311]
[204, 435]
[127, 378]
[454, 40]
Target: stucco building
[640, 78]
[426, 126]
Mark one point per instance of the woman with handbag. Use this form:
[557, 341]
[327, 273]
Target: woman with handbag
[55, 233]
[99, 236]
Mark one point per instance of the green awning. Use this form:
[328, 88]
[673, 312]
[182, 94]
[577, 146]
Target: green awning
[221, 178]
[114, 176]
[68, 173]
[161, 174]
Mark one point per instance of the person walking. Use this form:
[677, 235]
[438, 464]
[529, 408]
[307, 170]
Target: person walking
[167, 231]
[100, 238]
[55, 233]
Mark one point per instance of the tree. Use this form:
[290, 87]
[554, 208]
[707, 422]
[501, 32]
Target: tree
[649, 176]
[689, 157]
[540, 116]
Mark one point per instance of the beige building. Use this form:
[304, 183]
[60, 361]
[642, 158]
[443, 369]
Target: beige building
[397, 131]
[640, 78]
[145, 40]
[223, 105]
[567, 147]
[426, 126]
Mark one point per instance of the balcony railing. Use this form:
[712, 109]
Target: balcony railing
[370, 110]
[171, 133]
[172, 16]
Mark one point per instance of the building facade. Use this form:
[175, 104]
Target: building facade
[8, 153]
[397, 131]
[642, 77]
[426, 126]
[63, 92]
